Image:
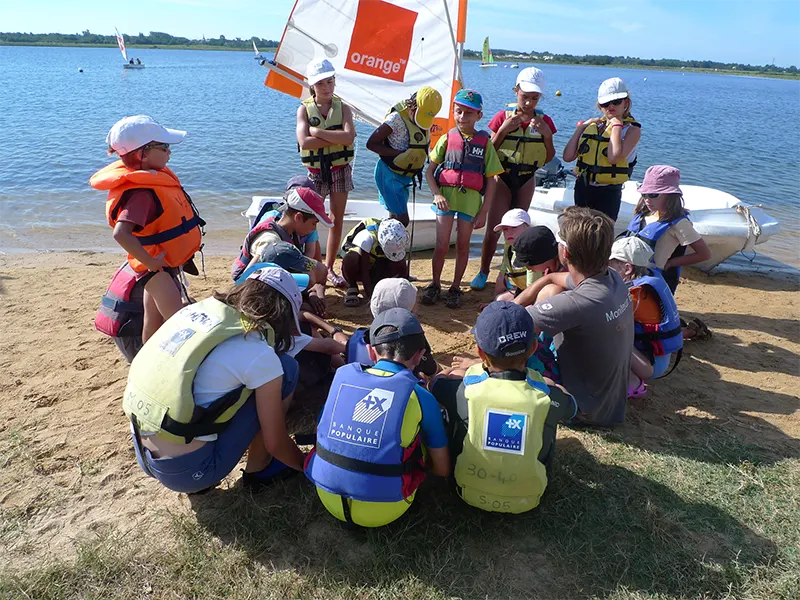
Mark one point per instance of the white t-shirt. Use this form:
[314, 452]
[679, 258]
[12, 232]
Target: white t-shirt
[681, 233]
[299, 342]
[364, 240]
[399, 138]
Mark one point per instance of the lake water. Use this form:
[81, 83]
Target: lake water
[737, 134]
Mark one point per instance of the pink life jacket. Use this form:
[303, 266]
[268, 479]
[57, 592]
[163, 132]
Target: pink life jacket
[464, 163]
[121, 311]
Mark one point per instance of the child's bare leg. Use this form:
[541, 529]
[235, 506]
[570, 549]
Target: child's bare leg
[338, 203]
[499, 206]
[162, 299]
[464, 232]
[505, 297]
[549, 291]
[444, 228]
[640, 366]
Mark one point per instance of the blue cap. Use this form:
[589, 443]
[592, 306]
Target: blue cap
[301, 279]
[402, 322]
[504, 329]
[287, 256]
[469, 98]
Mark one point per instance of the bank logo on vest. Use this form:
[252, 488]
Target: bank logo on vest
[359, 415]
[504, 431]
[381, 40]
[176, 341]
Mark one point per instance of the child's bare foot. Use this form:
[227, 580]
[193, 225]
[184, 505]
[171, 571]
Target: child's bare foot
[464, 362]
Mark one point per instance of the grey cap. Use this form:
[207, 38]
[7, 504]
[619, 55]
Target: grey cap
[402, 322]
[287, 256]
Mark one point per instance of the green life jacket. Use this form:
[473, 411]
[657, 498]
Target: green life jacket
[159, 397]
[498, 469]
[522, 148]
[411, 161]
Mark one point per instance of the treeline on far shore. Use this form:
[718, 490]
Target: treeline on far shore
[631, 61]
[154, 38]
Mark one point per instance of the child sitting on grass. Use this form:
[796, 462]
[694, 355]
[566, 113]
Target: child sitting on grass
[502, 417]
[463, 165]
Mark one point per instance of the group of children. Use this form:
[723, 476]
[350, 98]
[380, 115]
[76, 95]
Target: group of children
[212, 380]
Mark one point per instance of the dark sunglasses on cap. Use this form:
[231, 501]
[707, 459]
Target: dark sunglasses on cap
[616, 102]
[156, 145]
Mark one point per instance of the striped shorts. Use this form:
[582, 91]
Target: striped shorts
[342, 181]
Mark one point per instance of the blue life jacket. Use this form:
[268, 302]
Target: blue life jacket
[652, 232]
[356, 349]
[359, 453]
[666, 337]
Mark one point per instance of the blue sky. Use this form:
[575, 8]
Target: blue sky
[752, 31]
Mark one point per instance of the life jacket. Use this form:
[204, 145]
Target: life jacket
[158, 397]
[499, 468]
[652, 233]
[517, 276]
[358, 453]
[176, 232]
[371, 225]
[245, 255]
[666, 337]
[356, 348]
[411, 161]
[329, 156]
[522, 147]
[593, 156]
[121, 312]
[464, 161]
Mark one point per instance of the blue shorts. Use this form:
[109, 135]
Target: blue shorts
[392, 188]
[660, 365]
[207, 466]
[452, 213]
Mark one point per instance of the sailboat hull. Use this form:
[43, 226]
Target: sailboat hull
[488, 65]
[129, 66]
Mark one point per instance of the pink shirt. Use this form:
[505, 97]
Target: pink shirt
[500, 118]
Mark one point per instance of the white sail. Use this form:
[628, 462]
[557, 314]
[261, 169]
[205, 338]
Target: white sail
[255, 48]
[382, 51]
[121, 44]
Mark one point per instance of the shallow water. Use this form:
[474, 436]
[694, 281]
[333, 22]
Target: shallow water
[738, 134]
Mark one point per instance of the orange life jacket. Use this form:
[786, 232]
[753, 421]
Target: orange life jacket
[177, 231]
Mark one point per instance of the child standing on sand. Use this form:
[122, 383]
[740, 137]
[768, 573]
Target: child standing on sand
[153, 218]
[325, 134]
[463, 165]
[523, 137]
[606, 150]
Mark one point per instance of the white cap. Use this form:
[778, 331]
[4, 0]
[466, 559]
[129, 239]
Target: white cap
[392, 292]
[393, 238]
[283, 282]
[632, 250]
[612, 89]
[531, 80]
[131, 133]
[318, 70]
[514, 218]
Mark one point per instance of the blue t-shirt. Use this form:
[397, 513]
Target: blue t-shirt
[433, 435]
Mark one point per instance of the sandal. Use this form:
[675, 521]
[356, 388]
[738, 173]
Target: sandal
[453, 298]
[702, 332]
[351, 298]
[336, 280]
[638, 392]
[431, 294]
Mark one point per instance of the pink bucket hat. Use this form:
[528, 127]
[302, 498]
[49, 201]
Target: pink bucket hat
[661, 179]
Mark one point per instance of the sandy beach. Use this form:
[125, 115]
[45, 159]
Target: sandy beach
[67, 469]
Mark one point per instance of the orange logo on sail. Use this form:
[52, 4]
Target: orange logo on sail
[381, 42]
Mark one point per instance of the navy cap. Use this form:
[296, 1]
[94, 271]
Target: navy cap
[300, 181]
[534, 246]
[402, 322]
[504, 329]
[287, 256]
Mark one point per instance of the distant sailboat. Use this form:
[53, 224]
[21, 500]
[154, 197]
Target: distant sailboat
[258, 56]
[487, 58]
[129, 63]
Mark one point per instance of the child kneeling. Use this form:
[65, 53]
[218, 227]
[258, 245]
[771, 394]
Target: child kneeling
[502, 417]
[368, 461]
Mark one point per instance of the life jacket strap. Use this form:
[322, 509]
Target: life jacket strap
[361, 466]
[121, 306]
[327, 157]
[174, 232]
[613, 170]
[525, 139]
[658, 335]
[204, 420]
[459, 166]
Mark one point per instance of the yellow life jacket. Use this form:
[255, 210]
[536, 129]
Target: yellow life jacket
[412, 160]
[371, 225]
[522, 147]
[329, 156]
[159, 398]
[499, 468]
[516, 275]
[593, 156]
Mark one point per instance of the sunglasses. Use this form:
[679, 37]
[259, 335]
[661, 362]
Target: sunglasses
[616, 102]
[157, 145]
[650, 196]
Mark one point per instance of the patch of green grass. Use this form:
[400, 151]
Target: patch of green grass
[618, 522]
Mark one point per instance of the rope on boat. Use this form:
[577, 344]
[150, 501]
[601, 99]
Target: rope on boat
[753, 230]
